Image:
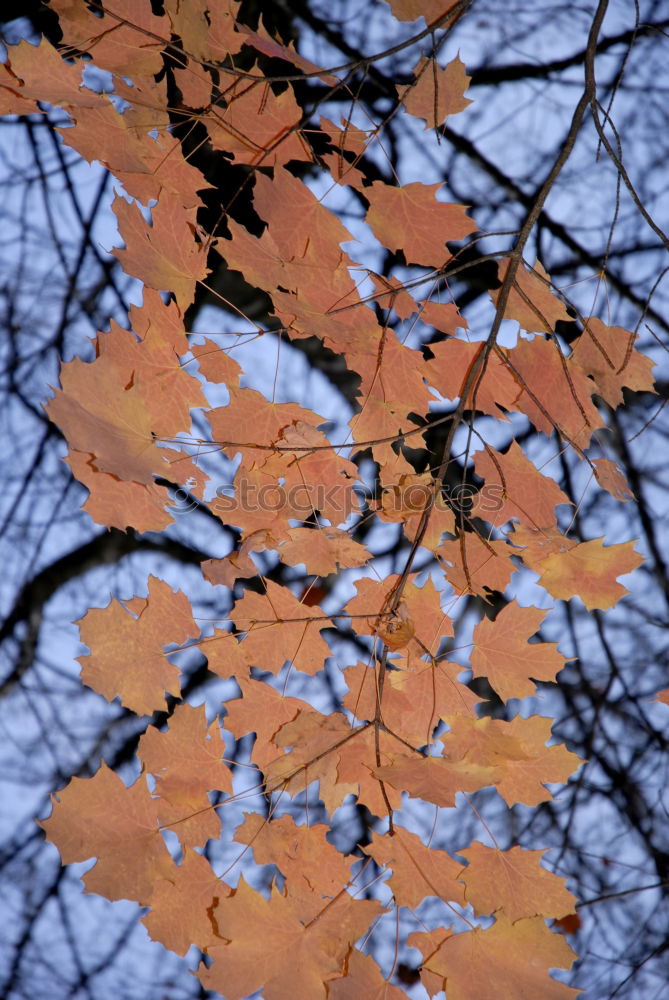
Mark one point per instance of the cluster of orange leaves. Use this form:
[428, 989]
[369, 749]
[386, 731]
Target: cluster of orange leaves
[116, 412]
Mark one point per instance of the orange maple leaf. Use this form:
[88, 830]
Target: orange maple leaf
[261, 710]
[39, 72]
[316, 742]
[608, 355]
[493, 390]
[411, 10]
[556, 394]
[256, 125]
[164, 255]
[186, 762]
[531, 301]
[363, 979]
[315, 871]
[513, 957]
[144, 164]
[409, 218]
[181, 904]
[117, 503]
[611, 479]
[517, 489]
[322, 551]
[435, 779]
[414, 699]
[476, 565]
[262, 615]
[101, 817]
[513, 881]
[114, 426]
[129, 43]
[437, 93]
[127, 657]
[417, 871]
[270, 948]
[515, 752]
[590, 571]
[503, 654]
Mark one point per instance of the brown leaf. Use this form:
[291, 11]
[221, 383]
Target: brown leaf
[438, 91]
[513, 881]
[101, 817]
[127, 657]
[409, 218]
[502, 652]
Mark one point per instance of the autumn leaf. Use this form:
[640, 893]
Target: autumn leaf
[167, 389]
[475, 565]
[556, 395]
[260, 616]
[315, 871]
[263, 42]
[144, 163]
[127, 657]
[225, 655]
[514, 751]
[589, 570]
[431, 622]
[181, 904]
[216, 364]
[517, 956]
[195, 86]
[608, 355]
[38, 72]
[301, 226]
[371, 601]
[119, 504]
[165, 255]
[186, 762]
[437, 93]
[322, 551]
[516, 488]
[415, 697]
[208, 32]
[435, 779]
[316, 742]
[253, 439]
[409, 218]
[417, 871]
[114, 427]
[513, 881]
[103, 818]
[531, 302]
[127, 40]
[363, 979]
[443, 316]
[271, 949]
[411, 10]
[306, 461]
[263, 711]
[502, 652]
[391, 294]
[257, 126]
[357, 760]
[611, 479]
[493, 390]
